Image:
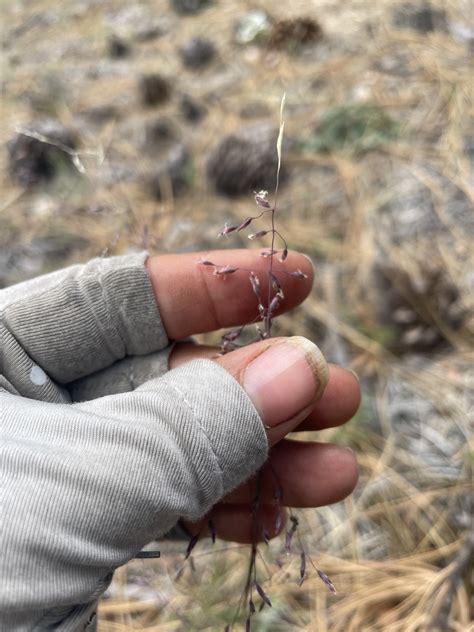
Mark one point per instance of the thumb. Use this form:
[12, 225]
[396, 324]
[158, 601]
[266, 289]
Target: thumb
[284, 378]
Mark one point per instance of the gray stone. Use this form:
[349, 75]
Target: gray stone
[413, 305]
[189, 7]
[197, 53]
[252, 27]
[416, 296]
[22, 261]
[463, 33]
[409, 213]
[419, 16]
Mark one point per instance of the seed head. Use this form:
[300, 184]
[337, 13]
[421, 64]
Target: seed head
[260, 233]
[263, 594]
[261, 199]
[298, 274]
[223, 270]
[228, 229]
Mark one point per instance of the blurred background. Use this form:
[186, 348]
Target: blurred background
[148, 124]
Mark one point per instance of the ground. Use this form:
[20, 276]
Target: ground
[377, 153]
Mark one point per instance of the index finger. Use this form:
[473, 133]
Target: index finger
[192, 299]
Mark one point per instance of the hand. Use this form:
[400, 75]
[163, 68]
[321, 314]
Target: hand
[306, 474]
[106, 448]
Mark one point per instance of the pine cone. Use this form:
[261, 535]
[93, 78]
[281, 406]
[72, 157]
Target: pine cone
[295, 32]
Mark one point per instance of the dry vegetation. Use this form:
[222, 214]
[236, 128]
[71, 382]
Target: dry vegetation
[384, 209]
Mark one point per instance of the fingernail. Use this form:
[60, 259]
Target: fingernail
[354, 374]
[308, 258]
[285, 379]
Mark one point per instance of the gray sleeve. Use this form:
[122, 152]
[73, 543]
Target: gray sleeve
[87, 485]
[65, 325]
[123, 376]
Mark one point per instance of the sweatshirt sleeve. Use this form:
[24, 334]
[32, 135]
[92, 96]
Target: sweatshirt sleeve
[68, 324]
[87, 485]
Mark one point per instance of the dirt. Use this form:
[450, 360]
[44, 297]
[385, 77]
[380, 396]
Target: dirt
[151, 128]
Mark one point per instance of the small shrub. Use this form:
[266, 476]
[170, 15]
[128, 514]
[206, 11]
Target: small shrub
[355, 128]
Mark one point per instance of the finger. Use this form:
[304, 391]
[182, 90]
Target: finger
[302, 474]
[73, 322]
[237, 523]
[339, 401]
[284, 378]
[192, 300]
[186, 351]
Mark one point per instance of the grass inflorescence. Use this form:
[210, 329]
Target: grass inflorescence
[266, 308]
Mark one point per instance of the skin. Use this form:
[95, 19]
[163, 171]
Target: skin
[192, 300]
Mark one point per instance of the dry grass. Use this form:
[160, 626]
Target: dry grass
[398, 550]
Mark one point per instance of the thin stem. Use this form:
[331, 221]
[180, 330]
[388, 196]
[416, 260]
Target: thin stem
[270, 271]
[285, 245]
[268, 320]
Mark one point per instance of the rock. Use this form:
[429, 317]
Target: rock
[409, 212]
[435, 437]
[117, 47]
[171, 173]
[245, 162]
[197, 53]
[419, 16]
[189, 7]
[414, 305]
[253, 27]
[154, 89]
[418, 294]
[463, 33]
[191, 110]
[38, 153]
[22, 261]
